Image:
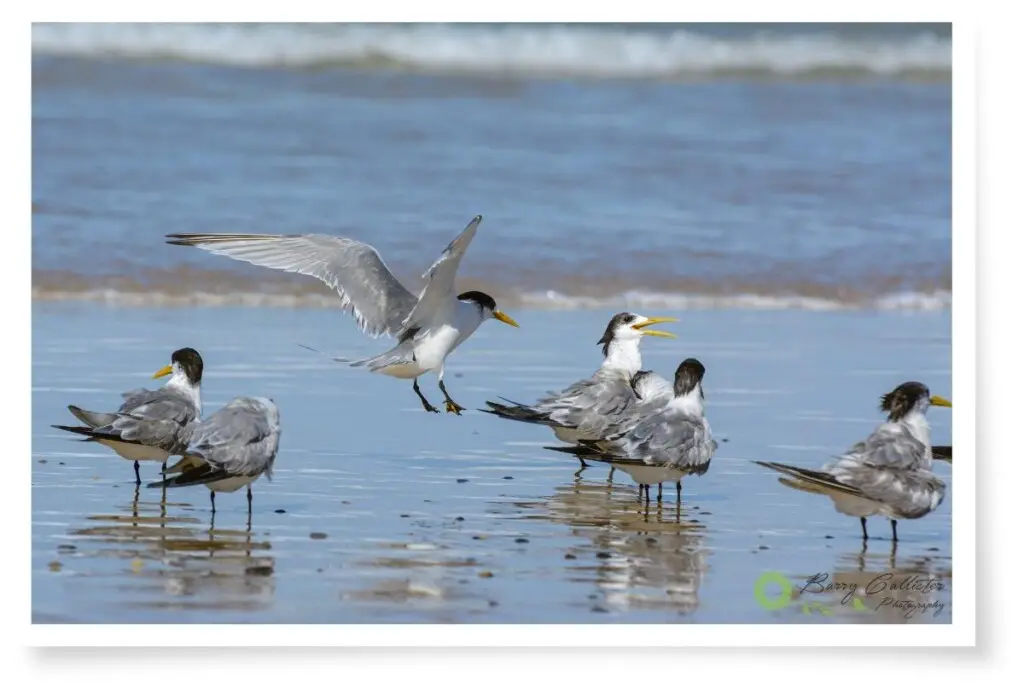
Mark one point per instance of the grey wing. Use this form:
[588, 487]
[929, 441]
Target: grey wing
[913, 493]
[162, 419]
[593, 406]
[241, 438]
[441, 278]
[891, 446]
[681, 442]
[368, 290]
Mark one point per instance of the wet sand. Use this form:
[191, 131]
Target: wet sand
[379, 512]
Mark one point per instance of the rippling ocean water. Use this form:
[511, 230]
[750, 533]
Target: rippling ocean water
[752, 166]
[654, 168]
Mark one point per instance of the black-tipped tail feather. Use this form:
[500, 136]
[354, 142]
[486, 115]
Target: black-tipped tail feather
[815, 478]
[91, 434]
[192, 476]
[518, 412]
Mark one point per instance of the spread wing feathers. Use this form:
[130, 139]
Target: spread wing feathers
[161, 419]
[368, 289]
[440, 278]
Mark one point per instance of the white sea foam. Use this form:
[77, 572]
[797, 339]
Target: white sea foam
[547, 300]
[610, 51]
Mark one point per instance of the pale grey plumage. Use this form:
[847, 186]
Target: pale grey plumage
[611, 399]
[892, 467]
[440, 277]
[669, 438]
[240, 439]
[161, 419]
[369, 291]
[888, 473]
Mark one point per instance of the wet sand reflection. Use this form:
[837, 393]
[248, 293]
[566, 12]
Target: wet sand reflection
[177, 561]
[646, 556]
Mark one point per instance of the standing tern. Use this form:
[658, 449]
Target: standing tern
[149, 425]
[600, 405]
[231, 448]
[665, 445]
[887, 474]
[428, 327]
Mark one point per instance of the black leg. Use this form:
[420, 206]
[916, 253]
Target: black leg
[138, 479]
[647, 493]
[894, 539]
[213, 505]
[583, 463]
[423, 399]
[450, 405]
[639, 491]
[248, 494]
[659, 492]
[864, 527]
[679, 491]
[611, 472]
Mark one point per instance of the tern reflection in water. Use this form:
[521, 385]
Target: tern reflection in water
[175, 560]
[651, 558]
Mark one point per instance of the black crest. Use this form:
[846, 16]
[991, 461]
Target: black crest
[617, 321]
[689, 375]
[484, 301]
[903, 398]
[191, 362]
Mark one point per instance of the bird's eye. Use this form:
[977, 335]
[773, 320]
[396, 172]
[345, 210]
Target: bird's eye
[629, 319]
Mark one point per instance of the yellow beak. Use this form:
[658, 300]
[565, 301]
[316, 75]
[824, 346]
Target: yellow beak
[165, 370]
[498, 315]
[656, 333]
[939, 401]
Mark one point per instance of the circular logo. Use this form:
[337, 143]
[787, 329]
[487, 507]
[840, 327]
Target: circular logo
[772, 579]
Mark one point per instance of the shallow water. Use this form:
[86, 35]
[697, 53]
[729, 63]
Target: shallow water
[391, 514]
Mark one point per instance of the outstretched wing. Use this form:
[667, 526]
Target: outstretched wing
[440, 278]
[368, 289]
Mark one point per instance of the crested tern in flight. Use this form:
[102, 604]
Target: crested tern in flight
[149, 425]
[606, 402]
[665, 445]
[888, 473]
[230, 449]
[428, 327]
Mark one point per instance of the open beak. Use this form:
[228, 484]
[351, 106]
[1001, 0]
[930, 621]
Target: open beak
[163, 372]
[656, 333]
[944, 453]
[939, 401]
[498, 315]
